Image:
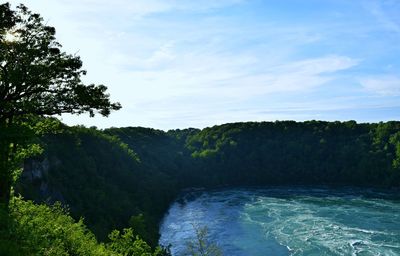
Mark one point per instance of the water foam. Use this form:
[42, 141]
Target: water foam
[287, 222]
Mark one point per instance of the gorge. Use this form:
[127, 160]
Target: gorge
[122, 177]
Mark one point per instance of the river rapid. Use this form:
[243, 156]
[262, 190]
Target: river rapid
[287, 221]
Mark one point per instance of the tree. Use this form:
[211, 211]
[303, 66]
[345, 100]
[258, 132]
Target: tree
[201, 246]
[37, 79]
[127, 244]
[395, 142]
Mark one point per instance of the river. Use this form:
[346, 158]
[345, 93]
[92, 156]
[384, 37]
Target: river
[287, 221]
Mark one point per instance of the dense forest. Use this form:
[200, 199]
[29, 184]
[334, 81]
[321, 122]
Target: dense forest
[127, 177]
[83, 191]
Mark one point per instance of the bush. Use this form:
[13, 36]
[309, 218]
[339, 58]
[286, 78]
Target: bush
[32, 229]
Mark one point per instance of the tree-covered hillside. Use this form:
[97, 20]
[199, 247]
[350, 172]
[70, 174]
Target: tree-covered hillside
[123, 177]
[101, 179]
[312, 152]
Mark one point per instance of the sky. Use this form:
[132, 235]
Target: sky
[179, 64]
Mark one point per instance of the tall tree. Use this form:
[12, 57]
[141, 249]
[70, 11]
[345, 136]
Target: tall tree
[37, 79]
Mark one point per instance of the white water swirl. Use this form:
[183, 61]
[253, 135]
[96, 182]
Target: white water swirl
[283, 221]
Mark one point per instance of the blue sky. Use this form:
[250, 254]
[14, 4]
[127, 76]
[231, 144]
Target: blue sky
[179, 64]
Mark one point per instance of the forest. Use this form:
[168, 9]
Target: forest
[73, 190]
[127, 177]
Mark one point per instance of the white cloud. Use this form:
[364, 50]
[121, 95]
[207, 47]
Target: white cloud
[172, 71]
[382, 85]
[385, 16]
[135, 9]
[233, 77]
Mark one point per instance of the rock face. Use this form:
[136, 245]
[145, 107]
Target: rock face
[35, 179]
[35, 170]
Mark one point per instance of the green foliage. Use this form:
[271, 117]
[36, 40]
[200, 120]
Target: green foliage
[138, 223]
[49, 230]
[43, 230]
[36, 76]
[36, 79]
[129, 176]
[127, 244]
[201, 246]
[101, 178]
[395, 142]
[17, 141]
[288, 152]
[99, 175]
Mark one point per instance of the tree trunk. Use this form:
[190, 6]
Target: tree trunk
[5, 190]
[5, 187]
[5, 172]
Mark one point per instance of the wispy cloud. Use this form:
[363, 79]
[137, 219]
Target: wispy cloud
[141, 8]
[176, 63]
[234, 78]
[386, 13]
[382, 85]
